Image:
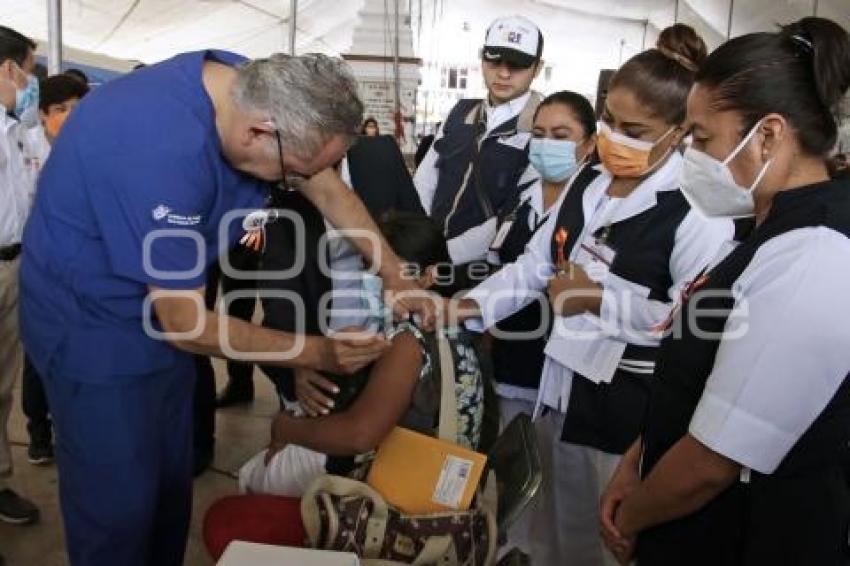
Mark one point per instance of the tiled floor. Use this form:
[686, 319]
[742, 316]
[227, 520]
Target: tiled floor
[241, 432]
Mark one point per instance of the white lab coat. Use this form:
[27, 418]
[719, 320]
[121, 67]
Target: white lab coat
[563, 522]
[23, 152]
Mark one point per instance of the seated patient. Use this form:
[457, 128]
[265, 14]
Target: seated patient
[398, 389]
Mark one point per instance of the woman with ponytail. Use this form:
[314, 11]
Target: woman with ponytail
[742, 458]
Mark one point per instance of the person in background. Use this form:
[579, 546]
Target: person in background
[743, 452]
[370, 128]
[23, 149]
[39, 71]
[58, 96]
[78, 74]
[564, 140]
[473, 168]
[425, 143]
[614, 260]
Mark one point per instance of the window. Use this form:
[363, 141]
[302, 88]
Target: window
[463, 78]
[453, 77]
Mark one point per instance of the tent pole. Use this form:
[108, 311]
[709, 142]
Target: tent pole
[676, 12]
[645, 29]
[396, 67]
[293, 12]
[816, 6]
[54, 37]
[731, 13]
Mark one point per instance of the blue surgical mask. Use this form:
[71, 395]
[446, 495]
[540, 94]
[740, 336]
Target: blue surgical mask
[555, 160]
[26, 102]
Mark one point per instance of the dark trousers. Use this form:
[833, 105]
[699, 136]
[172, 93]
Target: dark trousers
[124, 456]
[239, 374]
[34, 404]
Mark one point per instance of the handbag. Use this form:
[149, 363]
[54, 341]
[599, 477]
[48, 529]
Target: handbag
[347, 515]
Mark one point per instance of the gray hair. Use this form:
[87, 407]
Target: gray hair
[310, 98]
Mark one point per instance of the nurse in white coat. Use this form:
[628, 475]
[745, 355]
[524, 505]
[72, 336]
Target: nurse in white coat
[743, 456]
[563, 139]
[614, 260]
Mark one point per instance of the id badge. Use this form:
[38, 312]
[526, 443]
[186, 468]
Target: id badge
[504, 229]
[596, 257]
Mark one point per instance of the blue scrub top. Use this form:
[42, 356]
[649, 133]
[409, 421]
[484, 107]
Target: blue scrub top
[139, 155]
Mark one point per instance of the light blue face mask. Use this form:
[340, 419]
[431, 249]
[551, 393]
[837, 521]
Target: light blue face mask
[26, 102]
[555, 160]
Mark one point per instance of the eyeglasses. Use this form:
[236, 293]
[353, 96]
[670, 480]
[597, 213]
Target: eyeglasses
[280, 157]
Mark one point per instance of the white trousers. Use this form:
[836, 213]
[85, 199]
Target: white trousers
[289, 473]
[561, 526]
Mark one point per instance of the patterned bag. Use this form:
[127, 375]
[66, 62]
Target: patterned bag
[347, 515]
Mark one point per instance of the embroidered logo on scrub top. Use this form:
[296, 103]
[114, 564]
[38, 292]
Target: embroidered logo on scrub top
[160, 212]
[163, 212]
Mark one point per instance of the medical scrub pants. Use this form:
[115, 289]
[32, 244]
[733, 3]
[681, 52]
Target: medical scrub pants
[124, 453]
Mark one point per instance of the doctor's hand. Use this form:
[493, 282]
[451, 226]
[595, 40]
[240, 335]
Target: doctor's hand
[349, 350]
[573, 292]
[406, 297]
[313, 392]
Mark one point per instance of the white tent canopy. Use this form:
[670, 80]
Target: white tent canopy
[581, 36]
[584, 36]
[150, 30]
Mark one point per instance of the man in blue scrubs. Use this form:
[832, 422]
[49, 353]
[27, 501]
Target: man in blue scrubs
[126, 218]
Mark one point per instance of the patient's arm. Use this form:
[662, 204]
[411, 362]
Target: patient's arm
[373, 414]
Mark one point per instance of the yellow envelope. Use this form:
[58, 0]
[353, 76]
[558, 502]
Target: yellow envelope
[419, 474]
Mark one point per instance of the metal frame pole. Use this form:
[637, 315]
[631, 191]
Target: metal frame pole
[54, 37]
[396, 66]
[293, 12]
[731, 13]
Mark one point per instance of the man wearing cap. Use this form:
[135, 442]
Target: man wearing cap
[473, 168]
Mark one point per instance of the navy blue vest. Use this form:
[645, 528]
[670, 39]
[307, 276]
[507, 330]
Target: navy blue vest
[457, 204]
[608, 416]
[520, 362]
[800, 514]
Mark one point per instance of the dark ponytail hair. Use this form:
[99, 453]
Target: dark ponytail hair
[801, 72]
[661, 78]
[580, 106]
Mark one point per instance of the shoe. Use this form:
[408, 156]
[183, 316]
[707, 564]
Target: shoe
[16, 510]
[40, 453]
[235, 394]
[40, 450]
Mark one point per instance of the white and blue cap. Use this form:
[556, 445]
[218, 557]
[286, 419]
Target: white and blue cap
[515, 40]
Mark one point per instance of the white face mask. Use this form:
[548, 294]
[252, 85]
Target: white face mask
[711, 189]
